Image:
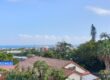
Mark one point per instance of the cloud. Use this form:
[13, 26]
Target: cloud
[51, 39]
[99, 11]
[25, 39]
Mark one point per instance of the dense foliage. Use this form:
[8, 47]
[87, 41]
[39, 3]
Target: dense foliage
[7, 57]
[86, 55]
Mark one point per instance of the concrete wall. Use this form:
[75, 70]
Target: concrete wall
[74, 77]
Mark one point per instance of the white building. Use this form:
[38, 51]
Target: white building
[14, 51]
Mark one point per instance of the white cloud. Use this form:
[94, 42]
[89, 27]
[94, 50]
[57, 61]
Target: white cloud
[25, 39]
[51, 39]
[99, 11]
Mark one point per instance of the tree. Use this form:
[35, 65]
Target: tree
[93, 32]
[49, 54]
[104, 74]
[8, 57]
[58, 75]
[104, 50]
[86, 56]
[105, 36]
[45, 72]
[18, 75]
[63, 49]
[30, 52]
[42, 70]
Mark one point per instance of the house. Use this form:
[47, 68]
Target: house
[20, 58]
[71, 69]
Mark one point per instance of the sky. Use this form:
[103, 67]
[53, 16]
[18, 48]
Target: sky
[45, 22]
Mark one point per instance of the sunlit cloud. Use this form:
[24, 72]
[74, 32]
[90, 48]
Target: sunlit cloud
[99, 10]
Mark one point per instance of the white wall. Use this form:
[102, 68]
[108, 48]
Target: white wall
[77, 68]
[74, 77]
[14, 51]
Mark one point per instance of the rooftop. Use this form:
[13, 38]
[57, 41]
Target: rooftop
[54, 63]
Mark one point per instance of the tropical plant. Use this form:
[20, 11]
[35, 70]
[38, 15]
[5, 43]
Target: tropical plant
[50, 54]
[105, 36]
[104, 74]
[64, 49]
[42, 70]
[86, 55]
[8, 57]
[104, 50]
[57, 75]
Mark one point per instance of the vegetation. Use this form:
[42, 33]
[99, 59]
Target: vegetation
[104, 74]
[86, 55]
[104, 51]
[7, 57]
[62, 50]
[40, 71]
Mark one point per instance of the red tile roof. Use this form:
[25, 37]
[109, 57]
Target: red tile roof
[54, 63]
[7, 67]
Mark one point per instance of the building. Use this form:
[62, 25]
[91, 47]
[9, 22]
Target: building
[14, 51]
[20, 58]
[71, 70]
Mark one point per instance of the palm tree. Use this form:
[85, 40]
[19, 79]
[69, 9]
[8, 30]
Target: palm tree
[104, 50]
[42, 70]
[63, 49]
[58, 74]
[93, 32]
[104, 35]
[63, 45]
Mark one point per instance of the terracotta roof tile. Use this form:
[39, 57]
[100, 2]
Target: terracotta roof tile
[54, 63]
[7, 67]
